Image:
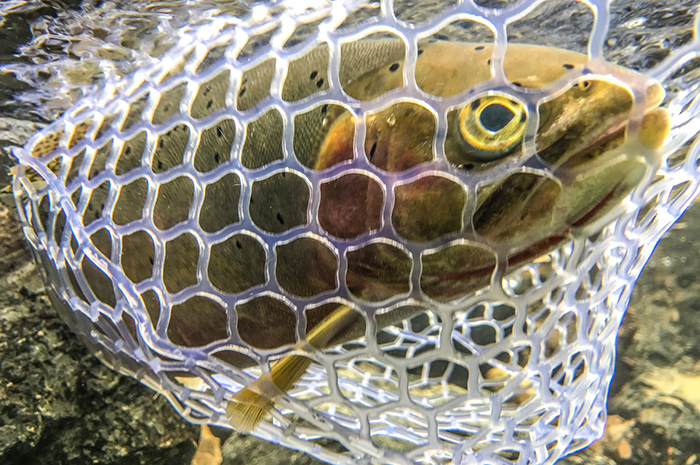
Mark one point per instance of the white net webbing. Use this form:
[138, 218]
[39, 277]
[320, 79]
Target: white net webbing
[149, 226]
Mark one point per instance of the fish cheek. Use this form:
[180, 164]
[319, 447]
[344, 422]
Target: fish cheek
[454, 144]
[516, 208]
[559, 129]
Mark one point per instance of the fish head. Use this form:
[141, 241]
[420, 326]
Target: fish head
[588, 157]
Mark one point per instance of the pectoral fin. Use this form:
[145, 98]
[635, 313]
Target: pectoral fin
[249, 405]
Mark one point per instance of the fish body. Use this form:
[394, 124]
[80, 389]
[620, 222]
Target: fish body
[524, 214]
[505, 215]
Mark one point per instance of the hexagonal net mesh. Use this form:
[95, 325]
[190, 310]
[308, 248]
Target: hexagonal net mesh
[296, 181]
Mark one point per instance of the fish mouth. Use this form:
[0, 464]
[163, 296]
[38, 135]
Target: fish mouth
[593, 211]
[586, 215]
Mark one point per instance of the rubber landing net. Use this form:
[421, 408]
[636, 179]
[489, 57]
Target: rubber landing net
[515, 372]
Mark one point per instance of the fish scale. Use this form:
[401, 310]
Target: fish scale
[352, 264]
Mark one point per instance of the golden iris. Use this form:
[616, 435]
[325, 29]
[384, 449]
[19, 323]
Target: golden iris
[492, 125]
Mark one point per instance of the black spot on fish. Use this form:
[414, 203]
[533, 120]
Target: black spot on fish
[219, 131]
[475, 104]
[372, 150]
[160, 143]
[394, 67]
[279, 218]
[160, 165]
[319, 83]
[217, 157]
[242, 92]
[324, 108]
[488, 62]
[517, 84]
[420, 51]
[151, 260]
[313, 75]
[480, 47]
[210, 103]
[127, 151]
[467, 166]
[239, 245]
[568, 66]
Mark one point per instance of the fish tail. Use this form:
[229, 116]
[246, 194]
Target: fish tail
[249, 405]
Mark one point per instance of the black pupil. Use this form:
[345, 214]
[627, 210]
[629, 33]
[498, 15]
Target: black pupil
[495, 117]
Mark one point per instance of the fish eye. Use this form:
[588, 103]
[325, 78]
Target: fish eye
[492, 125]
